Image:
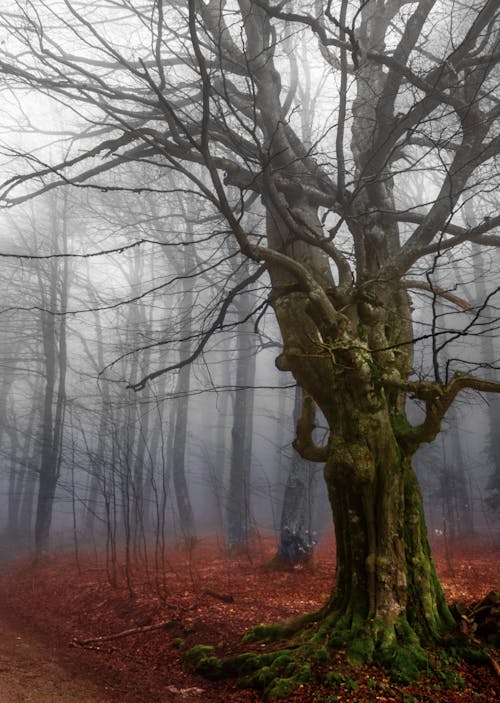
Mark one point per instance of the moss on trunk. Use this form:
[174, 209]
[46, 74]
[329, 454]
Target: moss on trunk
[387, 605]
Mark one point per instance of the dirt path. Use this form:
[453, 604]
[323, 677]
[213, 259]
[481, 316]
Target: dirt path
[32, 673]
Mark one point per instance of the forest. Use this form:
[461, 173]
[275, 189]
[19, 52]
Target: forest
[249, 356]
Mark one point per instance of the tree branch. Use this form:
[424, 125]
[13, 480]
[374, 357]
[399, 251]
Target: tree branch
[439, 292]
[437, 398]
[140, 385]
[303, 442]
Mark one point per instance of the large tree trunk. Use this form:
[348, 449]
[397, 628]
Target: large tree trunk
[386, 603]
[346, 348]
[387, 596]
[385, 578]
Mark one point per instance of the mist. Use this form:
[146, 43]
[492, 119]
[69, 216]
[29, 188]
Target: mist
[250, 255]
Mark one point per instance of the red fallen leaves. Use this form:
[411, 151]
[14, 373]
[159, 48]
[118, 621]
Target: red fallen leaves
[206, 596]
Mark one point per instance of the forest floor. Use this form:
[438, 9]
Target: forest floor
[62, 615]
[32, 671]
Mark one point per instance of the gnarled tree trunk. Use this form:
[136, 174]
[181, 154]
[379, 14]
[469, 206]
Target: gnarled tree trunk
[346, 353]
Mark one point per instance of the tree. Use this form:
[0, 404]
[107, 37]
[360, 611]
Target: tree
[238, 494]
[208, 90]
[54, 296]
[37, 347]
[296, 538]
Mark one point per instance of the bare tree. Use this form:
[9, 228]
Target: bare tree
[296, 539]
[207, 90]
[53, 296]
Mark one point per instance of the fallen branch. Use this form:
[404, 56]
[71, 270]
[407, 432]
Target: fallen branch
[495, 665]
[123, 633]
[220, 596]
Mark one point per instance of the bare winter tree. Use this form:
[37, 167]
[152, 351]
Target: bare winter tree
[213, 92]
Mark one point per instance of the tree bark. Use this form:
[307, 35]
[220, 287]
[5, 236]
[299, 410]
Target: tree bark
[387, 597]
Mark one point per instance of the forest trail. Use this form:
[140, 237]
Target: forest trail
[31, 672]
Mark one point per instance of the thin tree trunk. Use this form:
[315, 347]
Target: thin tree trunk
[27, 480]
[55, 355]
[238, 499]
[296, 544]
[97, 456]
[179, 417]
[14, 496]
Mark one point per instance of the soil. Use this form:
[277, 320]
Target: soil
[35, 672]
[60, 620]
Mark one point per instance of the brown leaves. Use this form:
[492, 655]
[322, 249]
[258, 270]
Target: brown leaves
[209, 597]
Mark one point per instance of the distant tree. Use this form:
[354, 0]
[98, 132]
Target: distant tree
[53, 292]
[238, 495]
[484, 262]
[38, 290]
[208, 90]
[296, 539]
[180, 410]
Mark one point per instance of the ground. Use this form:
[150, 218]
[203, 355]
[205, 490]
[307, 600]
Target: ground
[203, 596]
[36, 672]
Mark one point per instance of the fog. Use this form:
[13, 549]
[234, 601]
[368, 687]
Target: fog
[79, 330]
[140, 403]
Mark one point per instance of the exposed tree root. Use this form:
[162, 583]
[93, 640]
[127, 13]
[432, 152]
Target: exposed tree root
[494, 664]
[279, 562]
[308, 647]
[306, 650]
[480, 621]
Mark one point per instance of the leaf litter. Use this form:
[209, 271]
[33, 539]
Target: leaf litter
[129, 637]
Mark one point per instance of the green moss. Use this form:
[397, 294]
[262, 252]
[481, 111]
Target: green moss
[281, 660]
[405, 663]
[211, 667]
[200, 658]
[399, 421]
[405, 667]
[406, 634]
[281, 688]
[304, 674]
[473, 655]
[268, 633]
[398, 650]
[246, 663]
[334, 678]
[351, 685]
[451, 678]
[360, 650]
[195, 654]
[264, 677]
[320, 655]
